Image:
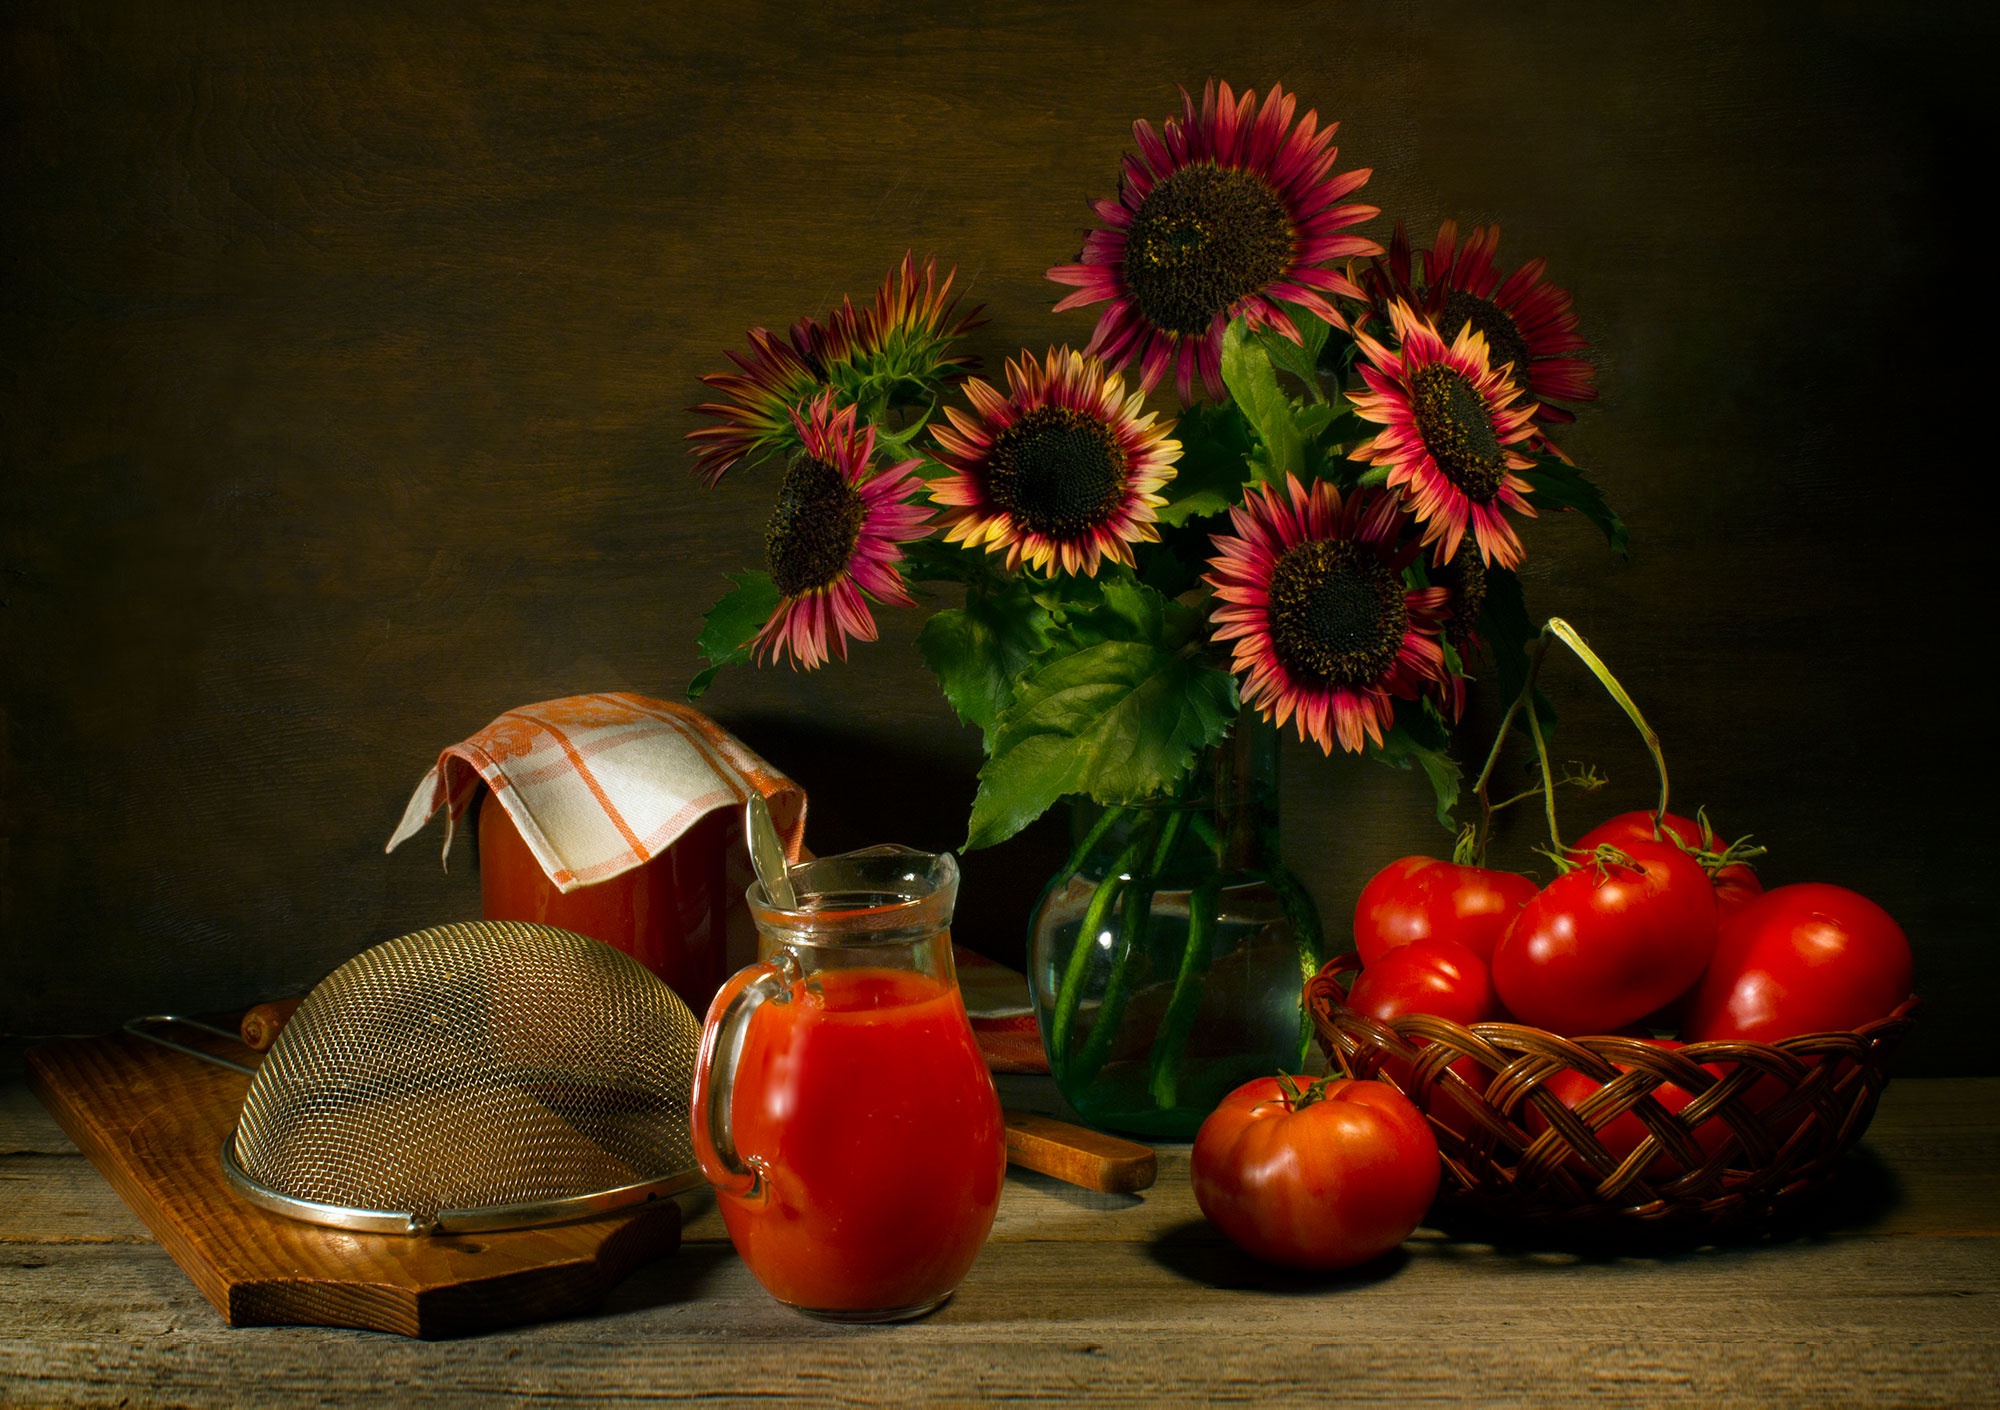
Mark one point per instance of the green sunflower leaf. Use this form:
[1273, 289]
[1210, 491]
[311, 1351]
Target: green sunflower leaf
[932, 560]
[1301, 360]
[730, 625]
[1563, 485]
[1115, 709]
[1175, 564]
[980, 650]
[1214, 463]
[1418, 740]
[1253, 385]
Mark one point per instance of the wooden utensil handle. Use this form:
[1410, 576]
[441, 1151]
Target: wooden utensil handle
[1079, 1156]
[262, 1024]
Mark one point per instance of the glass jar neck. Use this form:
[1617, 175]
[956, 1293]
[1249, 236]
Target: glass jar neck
[881, 908]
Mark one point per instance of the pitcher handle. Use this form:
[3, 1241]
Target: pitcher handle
[722, 1034]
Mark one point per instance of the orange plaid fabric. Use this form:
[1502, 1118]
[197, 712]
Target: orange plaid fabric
[598, 784]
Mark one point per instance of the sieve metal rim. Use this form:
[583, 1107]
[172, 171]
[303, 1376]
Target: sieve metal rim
[485, 1220]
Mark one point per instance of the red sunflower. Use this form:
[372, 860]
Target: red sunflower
[1225, 211]
[1528, 322]
[1310, 588]
[1449, 424]
[882, 353]
[905, 335]
[777, 380]
[1061, 472]
[834, 536]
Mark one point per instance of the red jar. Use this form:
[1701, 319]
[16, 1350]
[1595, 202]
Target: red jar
[670, 914]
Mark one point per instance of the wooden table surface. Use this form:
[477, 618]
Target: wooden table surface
[1887, 1295]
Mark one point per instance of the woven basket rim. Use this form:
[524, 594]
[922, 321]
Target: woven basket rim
[1745, 1140]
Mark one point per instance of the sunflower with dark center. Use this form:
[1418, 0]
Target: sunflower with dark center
[1529, 323]
[1062, 472]
[1227, 211]
[1310, 590]
[1451, 428]
[833, 539]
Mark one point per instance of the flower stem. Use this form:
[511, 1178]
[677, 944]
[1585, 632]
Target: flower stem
[1070, 994]
[1170, 1046]
[1306, 933]
[1138, 911]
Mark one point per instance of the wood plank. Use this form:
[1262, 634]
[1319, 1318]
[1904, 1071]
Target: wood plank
[1852, 1321]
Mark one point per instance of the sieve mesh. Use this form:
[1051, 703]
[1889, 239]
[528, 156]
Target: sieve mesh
[475, 1065]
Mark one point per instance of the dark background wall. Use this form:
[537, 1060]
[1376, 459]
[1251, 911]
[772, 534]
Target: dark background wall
[347, 346]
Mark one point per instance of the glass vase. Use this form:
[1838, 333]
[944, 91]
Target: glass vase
[1168, 956]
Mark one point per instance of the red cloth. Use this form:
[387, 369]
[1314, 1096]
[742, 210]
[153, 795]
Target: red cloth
[1002, 1012]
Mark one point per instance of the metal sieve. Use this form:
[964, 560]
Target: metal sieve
[478, 1076]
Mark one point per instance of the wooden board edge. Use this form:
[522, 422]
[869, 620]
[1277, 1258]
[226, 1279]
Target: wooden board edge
[77, 1125]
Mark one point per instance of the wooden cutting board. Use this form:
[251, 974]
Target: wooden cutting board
[152, 1122]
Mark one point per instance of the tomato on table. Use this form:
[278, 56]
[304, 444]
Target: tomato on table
[1325, 1175]
[1422, 898]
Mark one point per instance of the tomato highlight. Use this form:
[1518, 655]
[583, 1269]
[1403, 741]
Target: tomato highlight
[1422, 898]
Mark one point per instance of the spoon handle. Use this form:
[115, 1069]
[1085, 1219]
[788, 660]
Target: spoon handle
[767, 854]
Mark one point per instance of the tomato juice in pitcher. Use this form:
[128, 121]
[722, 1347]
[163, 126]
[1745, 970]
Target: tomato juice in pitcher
[842, 1108]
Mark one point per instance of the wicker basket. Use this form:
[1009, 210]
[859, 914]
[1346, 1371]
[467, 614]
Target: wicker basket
[1752, 1141]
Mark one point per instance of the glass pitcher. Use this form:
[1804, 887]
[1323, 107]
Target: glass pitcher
[841, 1107]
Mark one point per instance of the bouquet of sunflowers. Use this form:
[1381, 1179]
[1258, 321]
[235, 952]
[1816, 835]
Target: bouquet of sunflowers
[1322, 530]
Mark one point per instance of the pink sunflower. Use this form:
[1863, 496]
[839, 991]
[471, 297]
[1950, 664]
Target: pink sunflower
[833, 537]
[1225, 211]
[1529, 322]
[1449, 424]
[881, 352]
[1061, 471]
[1310, 588]
[778, 379]
[907, 332]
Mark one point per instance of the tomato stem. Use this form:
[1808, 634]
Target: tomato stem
[1484, 834]
[1570, 637]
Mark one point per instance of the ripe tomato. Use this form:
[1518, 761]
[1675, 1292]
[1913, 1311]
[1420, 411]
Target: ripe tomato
[1622, 1135]
[1422, 898]
[1807, 958]
[1736, 885]
[1606, 944]
[1438, 977]
[1334, 1177]
[1426, 976]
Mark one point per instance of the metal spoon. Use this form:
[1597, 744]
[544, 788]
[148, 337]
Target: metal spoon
[767, 854]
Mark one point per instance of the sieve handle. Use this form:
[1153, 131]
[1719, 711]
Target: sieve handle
[715, 1075]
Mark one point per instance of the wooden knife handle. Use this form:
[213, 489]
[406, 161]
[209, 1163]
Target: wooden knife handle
[262, 1024]
[1078, 1156]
